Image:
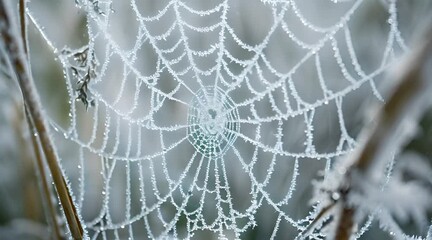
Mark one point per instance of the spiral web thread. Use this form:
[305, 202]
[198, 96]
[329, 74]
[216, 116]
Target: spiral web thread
[169, 141]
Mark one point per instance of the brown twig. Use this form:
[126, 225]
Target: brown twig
[15, 53]
[45, 187]
[46, 190]
[23, 22]
[409, 94]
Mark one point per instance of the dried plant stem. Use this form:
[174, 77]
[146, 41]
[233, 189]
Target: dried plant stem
[44, 185]
[46, 190]
[15, 53]
[408, 97]
[22, 6]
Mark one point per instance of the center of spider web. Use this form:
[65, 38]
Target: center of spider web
[213, 122]
[212, 113]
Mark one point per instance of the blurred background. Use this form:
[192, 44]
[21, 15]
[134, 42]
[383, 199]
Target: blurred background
[122, 131]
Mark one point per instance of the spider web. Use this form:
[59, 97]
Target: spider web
[192, 121]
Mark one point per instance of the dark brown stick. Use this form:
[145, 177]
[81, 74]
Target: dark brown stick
[46, 190]
[23, 23]
[408, 94]
[44, 181]
[15, 54]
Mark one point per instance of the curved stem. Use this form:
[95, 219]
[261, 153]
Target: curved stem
[13, 46]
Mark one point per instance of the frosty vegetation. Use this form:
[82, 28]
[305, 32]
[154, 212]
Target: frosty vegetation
[231, 119]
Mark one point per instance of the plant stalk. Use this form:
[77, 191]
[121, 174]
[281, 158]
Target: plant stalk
[408, 101]
[13, 47]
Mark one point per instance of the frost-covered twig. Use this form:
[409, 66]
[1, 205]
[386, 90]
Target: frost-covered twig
[47, 192]
[44, 181]
[13, 48]
[389, 132]
[355, 177]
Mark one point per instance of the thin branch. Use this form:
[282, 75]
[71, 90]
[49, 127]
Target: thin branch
[46, 190]
[44, 181]
[23, 22]
[319, 218]
[408, 101]
[15, 53]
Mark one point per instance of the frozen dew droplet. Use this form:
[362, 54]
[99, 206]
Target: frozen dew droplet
[335, 196]
[213, 122]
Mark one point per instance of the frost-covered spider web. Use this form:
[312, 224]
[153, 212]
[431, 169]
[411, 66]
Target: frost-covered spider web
[190, 119]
